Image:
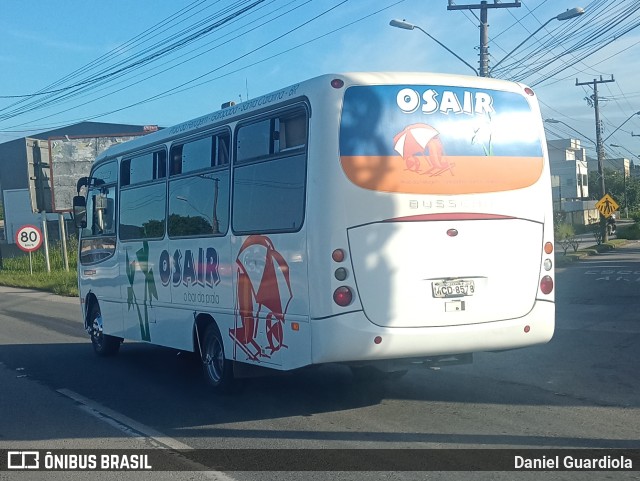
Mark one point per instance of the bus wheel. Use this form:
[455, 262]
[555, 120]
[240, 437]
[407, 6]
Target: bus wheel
[103, 344]
[217, 369]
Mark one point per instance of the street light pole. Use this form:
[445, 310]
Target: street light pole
[410, 26]
[484, 70]
[619, 126]
[624, 148]
[599, 146]
[484, 28]
[569, 14]
[554, 121]
[484, 40]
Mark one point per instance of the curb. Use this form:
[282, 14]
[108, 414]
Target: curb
[569, 258]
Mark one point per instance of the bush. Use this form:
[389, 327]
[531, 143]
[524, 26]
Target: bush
[565, 235]
[635, 215]
[630, 232]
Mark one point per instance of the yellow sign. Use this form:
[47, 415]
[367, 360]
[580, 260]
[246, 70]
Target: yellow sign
[607, 205]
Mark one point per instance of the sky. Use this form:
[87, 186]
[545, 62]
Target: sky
[161, 62]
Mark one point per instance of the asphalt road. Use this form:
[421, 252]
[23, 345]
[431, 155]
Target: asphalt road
[581, 390]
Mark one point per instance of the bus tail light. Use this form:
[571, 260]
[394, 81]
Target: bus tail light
[546, 279]
[546, 285]
[342, 296]
[340, 274]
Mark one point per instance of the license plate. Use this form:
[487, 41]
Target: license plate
[453, 288]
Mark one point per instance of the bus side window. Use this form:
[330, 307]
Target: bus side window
[150, 166]
[293, 132]
[125, 172]
[98, 240]
[142, 201]
[176, 160]
[103, 212]
[222, 151]
[254, 141]
[109, 216]
[270, 176]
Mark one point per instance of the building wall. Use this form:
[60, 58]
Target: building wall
[14, 167]
[620, 164]
[13, 154]
[570, 181]
[568, 169]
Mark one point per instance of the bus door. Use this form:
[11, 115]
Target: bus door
[99, 268]
[142, 235]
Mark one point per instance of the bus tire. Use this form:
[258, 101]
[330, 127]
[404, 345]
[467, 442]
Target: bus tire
[103, 344]
[218, 370]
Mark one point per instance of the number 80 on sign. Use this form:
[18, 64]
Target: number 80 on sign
[29, 238]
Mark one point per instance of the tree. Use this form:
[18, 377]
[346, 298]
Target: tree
[626, 191]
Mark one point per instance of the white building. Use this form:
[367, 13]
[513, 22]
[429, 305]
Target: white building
[570, 185]
[619, 164]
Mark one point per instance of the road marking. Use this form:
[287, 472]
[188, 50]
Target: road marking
[134, 429]
[605, 266]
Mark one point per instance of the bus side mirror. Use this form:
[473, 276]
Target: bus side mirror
[82, 182]
[80, 211]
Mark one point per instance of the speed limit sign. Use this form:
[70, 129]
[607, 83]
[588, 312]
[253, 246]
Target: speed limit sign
[29, 238]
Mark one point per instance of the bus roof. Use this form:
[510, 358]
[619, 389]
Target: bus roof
[304, 88]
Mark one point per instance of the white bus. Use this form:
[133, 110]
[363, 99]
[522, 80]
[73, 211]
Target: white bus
[374, 219]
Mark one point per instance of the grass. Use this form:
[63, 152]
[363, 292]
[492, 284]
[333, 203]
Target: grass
[16, 272]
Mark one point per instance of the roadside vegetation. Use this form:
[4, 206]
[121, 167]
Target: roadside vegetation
[631, 231]
[16, 272]
[568, 244]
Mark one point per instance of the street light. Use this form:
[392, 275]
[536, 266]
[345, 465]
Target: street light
[410, 26]
[624, 148]
[618, 127]
[554, 121]
[569, 14]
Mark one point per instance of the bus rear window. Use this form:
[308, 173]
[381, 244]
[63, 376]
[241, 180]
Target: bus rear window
[439, 139]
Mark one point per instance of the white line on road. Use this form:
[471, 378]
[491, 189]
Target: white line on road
[134, 429]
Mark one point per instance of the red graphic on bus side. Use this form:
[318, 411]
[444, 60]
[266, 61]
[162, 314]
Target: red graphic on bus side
[263, 293]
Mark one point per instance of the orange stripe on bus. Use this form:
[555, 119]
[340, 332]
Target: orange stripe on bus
[459, 174]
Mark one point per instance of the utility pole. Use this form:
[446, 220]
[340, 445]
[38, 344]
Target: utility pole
[599, 145]
[484, 7]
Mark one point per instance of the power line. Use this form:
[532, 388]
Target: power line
[148, 57]
[193, 83]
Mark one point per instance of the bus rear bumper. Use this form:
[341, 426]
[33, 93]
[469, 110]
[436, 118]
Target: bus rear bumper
[352, 337]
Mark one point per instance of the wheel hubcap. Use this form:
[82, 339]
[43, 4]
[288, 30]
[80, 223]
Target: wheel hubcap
[96, 331]
[214, 361]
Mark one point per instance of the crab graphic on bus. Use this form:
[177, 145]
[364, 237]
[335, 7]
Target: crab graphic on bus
[418, 144]
[263, 294]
